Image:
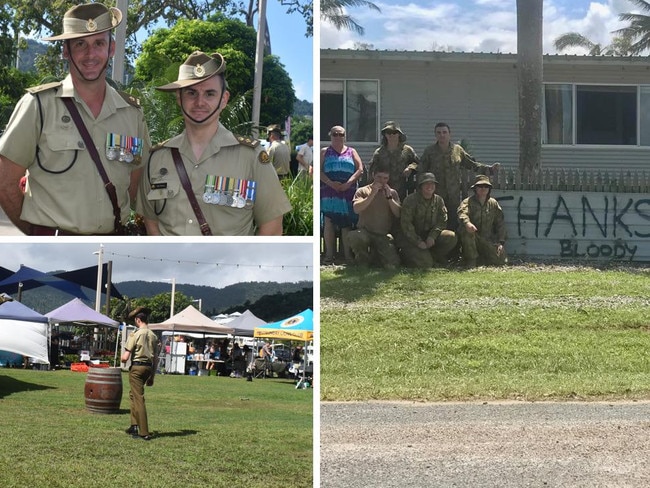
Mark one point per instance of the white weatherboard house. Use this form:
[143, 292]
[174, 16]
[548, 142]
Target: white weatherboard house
[592, 200]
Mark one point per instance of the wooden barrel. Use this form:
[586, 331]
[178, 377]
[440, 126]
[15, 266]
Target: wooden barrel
[103, 390]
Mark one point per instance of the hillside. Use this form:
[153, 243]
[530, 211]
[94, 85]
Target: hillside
[214, 300]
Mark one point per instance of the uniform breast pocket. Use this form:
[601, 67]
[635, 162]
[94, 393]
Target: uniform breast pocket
[161, 190]
[60, 152]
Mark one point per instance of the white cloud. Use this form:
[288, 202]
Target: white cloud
[481, 26]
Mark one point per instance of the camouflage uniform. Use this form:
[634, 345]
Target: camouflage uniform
[421, 219]
[396, 161]
[446, 166]
[488, 219]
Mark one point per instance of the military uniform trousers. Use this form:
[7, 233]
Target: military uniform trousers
[415, 257]
[138, 376]
[477, 248]
[373, 248]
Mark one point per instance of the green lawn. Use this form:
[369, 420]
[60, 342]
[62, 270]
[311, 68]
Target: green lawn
[209, 431]
[526, 332]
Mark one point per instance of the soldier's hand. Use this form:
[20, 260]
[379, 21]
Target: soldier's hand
[407, 172]
[422, 245]
[471, 228]
[430, 242]
[495, 167]
[150, 381]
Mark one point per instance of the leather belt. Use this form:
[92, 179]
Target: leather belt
[42, 230]
[140, 363]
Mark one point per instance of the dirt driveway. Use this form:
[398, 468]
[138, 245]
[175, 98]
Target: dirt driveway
[513, 444]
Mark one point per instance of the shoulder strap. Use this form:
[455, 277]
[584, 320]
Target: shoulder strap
[187, 186]
[108, 185]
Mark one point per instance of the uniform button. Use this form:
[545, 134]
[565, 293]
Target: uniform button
[190, 221]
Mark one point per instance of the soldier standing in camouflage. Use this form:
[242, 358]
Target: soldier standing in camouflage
[394, 154]
[378, 208]
[445, 159]
[424, 241]
[482, 228]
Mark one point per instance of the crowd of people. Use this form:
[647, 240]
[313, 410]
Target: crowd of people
[82, 134]
[383, 224]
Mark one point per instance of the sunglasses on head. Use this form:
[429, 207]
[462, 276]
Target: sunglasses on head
[338, 134]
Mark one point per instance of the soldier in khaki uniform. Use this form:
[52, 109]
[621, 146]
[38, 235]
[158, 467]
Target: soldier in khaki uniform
[394, 154]
[142, 349]
[64, 193]
[235, 186]
[279, 151]
[424, 241]
[445, 159]
[482, 229]
[378, 208]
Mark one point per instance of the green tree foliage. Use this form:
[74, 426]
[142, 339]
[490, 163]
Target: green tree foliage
[334, 12]
[159, 304]
[639, 29]
[12, 87]
[302, 128]
[620, 46]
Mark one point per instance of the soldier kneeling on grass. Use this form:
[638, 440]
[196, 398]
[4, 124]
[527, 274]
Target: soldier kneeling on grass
[482, 229]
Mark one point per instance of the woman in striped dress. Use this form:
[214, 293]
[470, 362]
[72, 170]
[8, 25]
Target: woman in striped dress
[341, 168]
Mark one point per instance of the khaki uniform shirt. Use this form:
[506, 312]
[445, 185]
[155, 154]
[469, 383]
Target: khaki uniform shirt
[396, 161]
[422, 219]
[280, 156]
[143, 345]
[64, 189]
[161, 196]
[487, 218]
[377, 217]
[446, 165]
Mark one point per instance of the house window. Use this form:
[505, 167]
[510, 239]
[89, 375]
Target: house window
[596, 114]
[352, 104]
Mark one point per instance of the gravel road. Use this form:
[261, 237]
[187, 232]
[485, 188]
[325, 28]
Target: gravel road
[505, 444]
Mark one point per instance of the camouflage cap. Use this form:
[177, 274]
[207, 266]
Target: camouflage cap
[426, 177]
[87, 20]
[198, 67]
[393, 127]
[481, 180]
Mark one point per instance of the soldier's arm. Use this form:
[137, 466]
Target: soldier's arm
[468, 162]
[500, 224]
[152, 227]
[463, 212]
[133, 185]
[414, 160]
[441, 221]
[407, 215]
[271, 228]
[11, 195]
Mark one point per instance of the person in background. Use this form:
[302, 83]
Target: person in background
[50, 183]
[142, 349]
[445, 159]
[279, 152]
[306, 158]
[482, 227]
[394, 154]
[341, 169]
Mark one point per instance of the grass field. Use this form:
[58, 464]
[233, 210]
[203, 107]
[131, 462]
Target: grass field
[523, 332]
[209, 431]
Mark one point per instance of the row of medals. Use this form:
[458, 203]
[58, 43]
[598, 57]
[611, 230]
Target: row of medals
[126, 149]
[226, 198]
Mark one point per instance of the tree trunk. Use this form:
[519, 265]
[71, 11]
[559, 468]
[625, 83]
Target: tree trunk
[530, 75]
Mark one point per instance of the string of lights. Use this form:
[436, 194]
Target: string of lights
[216, 264]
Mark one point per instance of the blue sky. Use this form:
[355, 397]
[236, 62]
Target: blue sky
[473, 25]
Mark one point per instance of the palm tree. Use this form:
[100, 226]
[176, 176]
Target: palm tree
[331, 11]
[639, 27]
[620, 46]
